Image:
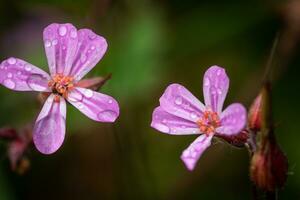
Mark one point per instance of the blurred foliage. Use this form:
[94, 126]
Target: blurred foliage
[151, 44]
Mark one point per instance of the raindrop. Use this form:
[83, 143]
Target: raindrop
[9, 84]
[178, 101]
[27, 68]
[83, 58]
[9, 75]
[92, 47]
[75, 97]
[219, 72]
[206, 82]
[163, 128]
[193, 115]
[80, 105]
[219, 91]
[12, 61]
[73, 34]
[36, 82]
[88, 93]
[62, 31]
[164, 121]
[47, 43]
[110, 101]
[107, 116]
[54, 42]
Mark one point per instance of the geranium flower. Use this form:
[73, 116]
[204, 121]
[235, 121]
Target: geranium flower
[71, 54]
[180, 113]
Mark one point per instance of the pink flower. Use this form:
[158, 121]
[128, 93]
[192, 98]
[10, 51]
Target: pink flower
[180, 113]
[71, 54]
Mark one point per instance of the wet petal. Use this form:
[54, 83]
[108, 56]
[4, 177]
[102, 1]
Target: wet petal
[50, 126]
[171, 124]
[215, 87]
[17, 74]
[91, 48]
[97, 106]
[60, 41]
[191, 155]
[233, 119]
[178, 101]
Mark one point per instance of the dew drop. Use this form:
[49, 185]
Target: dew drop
[80, 105]
[83, 58]
[12, 61]
[47, 43]
[19, 73]
[35, 82]
[88, 93]
[54, 42]
[27, 68]
[73, 34]
[219, 72]
[64, 47]
[178, 101]
[219, 91]
[206, 82]
[110, 101]
[92, 47]
[75, 97]
[163, 128]
[9, 84]
[9, 75]
[107, 116]
[164, 121]
[62, 31]
[193, 115]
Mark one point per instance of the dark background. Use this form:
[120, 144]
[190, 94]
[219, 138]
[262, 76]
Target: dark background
[152, 44]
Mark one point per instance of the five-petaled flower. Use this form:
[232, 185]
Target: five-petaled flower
[180, 113]
[71, 54]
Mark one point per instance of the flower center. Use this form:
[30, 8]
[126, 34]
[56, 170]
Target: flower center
[61, 85]
[209, 122]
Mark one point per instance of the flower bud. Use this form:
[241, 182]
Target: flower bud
[254, 116]
[269, 167]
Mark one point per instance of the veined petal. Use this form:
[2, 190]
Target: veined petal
[215, 87]
[191, 155]
[171, 124]
[60, 41]
[233, 120]
[17, 74]
[91, 48]
[178, 101]
[96, 106]
[50, 126]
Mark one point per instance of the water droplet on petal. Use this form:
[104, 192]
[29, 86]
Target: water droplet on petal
[219, 72]
[75, 96]
[47, 43]
[9, 75]
[54, 42]
[88, 93]
[73, 34]
[62, 31]
[27, 67]
[36, 82]
[80, 105]
[164, 121]
[193, 115]
[107, 115]
[178, 100]
[110, 101]
[219, 91]
[9, 84]
[19, 73]
[92, 47]
[162, 128]
[83, 58]
[206, 82]
[12, 61]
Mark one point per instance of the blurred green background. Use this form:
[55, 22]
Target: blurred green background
[153, 43]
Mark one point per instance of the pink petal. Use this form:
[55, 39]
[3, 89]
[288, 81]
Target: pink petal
[191, 155]
[171, 124]
[90, 50]
[215, 87]
[60, 41]
[233, 120]
[97, 106]
[50, 126]
[178, 101]
[16, 74]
